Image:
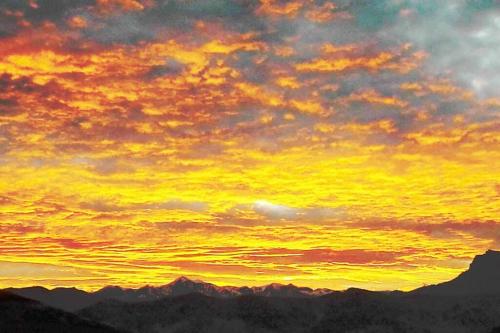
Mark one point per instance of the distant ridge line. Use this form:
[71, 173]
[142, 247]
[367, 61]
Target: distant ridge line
[481, 278]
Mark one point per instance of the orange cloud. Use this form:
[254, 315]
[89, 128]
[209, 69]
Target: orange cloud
[208, 143]
[274, 8]
[128, 5]
[342, 64]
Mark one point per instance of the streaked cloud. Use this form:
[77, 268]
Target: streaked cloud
[340, 143]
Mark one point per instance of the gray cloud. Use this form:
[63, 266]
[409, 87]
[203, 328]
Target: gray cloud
[56, 11]
[276, 211]
[461, 36]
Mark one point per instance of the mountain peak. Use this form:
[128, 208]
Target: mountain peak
[490, 258]
[110, 291]
[183, 280]
[481, 278]
[486, 266]
[275, 285]
[112, 287]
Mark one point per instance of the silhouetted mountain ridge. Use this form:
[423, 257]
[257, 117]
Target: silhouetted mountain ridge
[22, 315]
[354, 310]
[72, 299]
[482, 278]
[186, 305]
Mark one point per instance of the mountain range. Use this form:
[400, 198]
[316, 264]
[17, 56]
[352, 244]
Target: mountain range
[470, 303]
[72, 299]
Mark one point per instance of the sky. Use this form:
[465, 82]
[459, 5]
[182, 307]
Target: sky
[321, 143]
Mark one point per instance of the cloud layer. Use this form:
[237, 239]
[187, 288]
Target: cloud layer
[245, 142]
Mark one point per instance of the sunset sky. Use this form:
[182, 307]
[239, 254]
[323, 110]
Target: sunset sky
[321, 143]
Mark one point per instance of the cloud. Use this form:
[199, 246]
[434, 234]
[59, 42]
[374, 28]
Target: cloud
[21, 228]
[151, 129]
[195, 206]
[115, 206]
[275, 211]
[461, 37]
[26, 270]
[18, 14]
[327, 255]
[171, 67]
[489, 229]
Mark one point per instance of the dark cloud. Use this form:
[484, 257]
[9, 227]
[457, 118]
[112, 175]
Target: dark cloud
[171, 68]
[22, 84]
[169, 17]
[38, 12]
